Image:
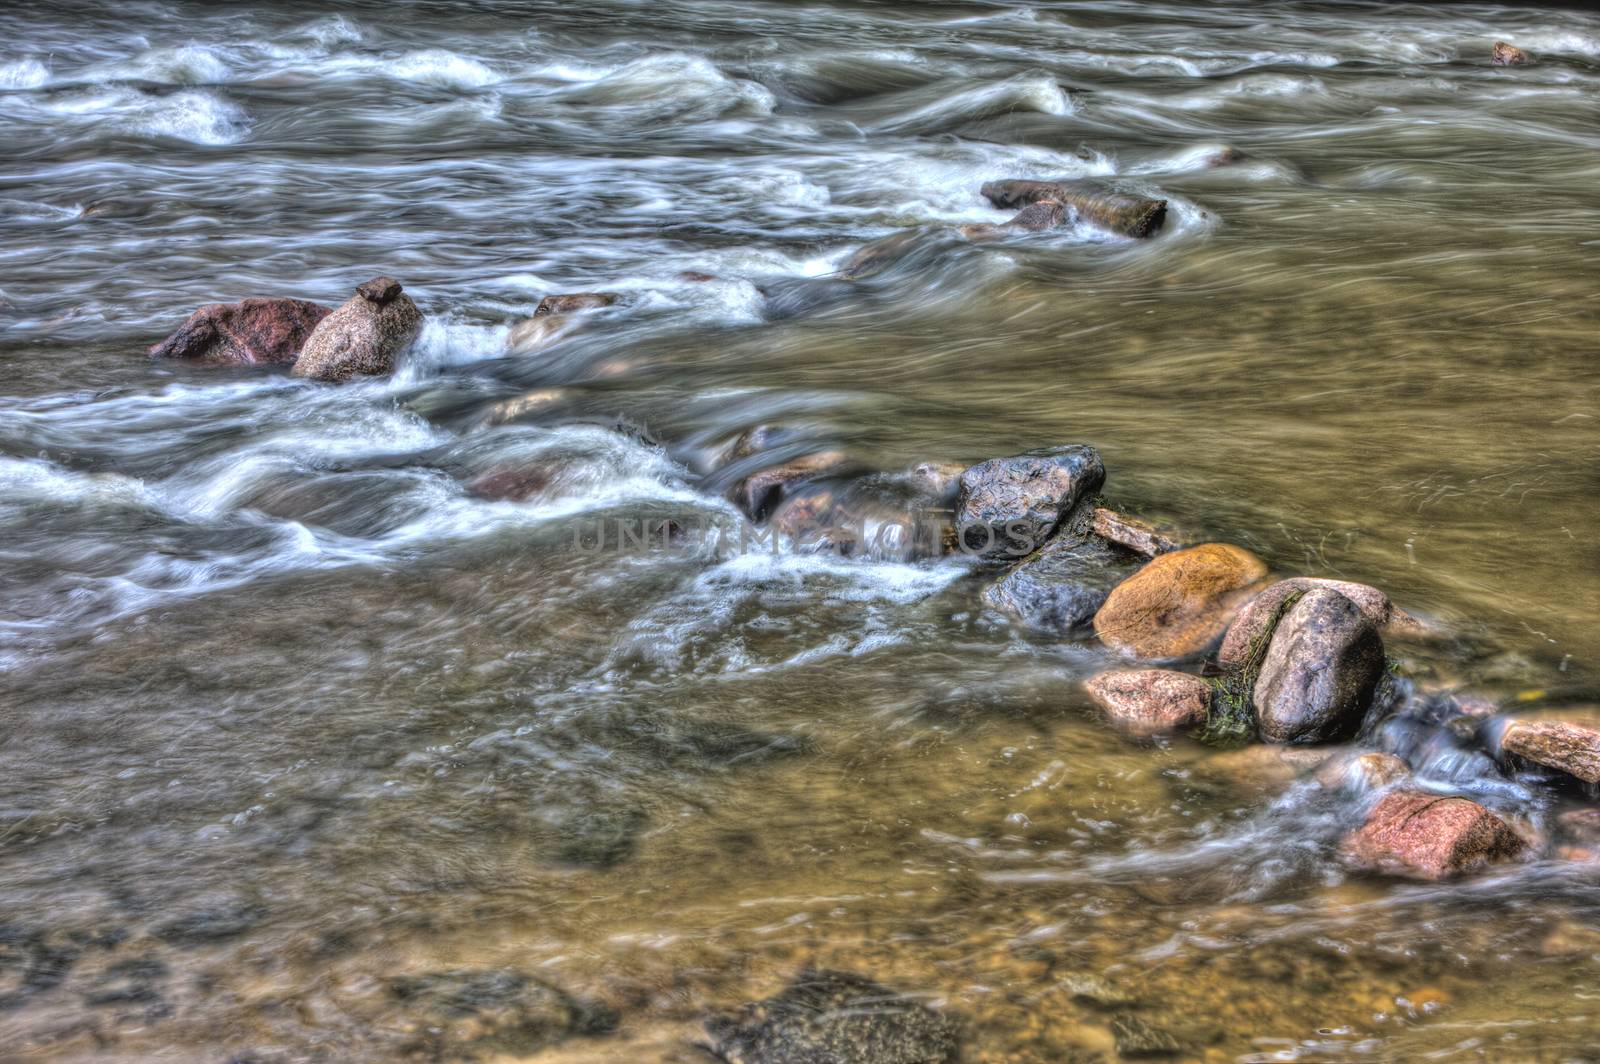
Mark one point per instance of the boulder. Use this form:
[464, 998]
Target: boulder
[828, 1017]
[1135, 216]
[1179, 603]
[1036, 217]
[250, 332]
[1320, 671]
[1059, 587]
[1425, 836]
[1558, 744]
[1130, 533]
[364, 336]
[1252, 629]
[1146, 702]
[1505, 54]
[1008, 507]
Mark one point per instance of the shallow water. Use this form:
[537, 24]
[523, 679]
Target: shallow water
[290, 712]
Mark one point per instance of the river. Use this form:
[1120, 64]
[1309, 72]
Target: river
[290, 712]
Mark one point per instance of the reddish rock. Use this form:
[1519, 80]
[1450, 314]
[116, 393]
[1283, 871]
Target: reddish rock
[1131, 534]
[1146, 702]
[1558, 744]
[1425, 836]
[1179, 603]
[511, 485]
[364, 337]
[250, 332]
[1508, 55]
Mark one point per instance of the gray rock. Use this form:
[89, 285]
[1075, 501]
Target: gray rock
[1008, 507]
[1137, 1038]
[364, 336]
[835, 1018]
[1060, 587]
[1320, 671]
[467, 1014]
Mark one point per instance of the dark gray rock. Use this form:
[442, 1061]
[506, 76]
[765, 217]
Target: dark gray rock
[1320, 671]
[364, 336]
[1059, 588]
[835, 1018]
[463, 1015]
[1008, 507]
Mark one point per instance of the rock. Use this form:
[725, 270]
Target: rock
[1425, 836]
[881, 516]
[1581, 825]
[364, 336]
[535, 402]
[250, 332]
[467, 1014]
[942, 479]
[1179, 603]
[835, 1018]
[1131, 533]
[1059, 587]
[1134, 216]
[512, 484]
[1371, 771]
[1007, 507]
[1036, 217]
[1267, 768]
[1320, 671]
[573, 303]
[1252, 629]
[1146, 702]
[760, 493]
[1567, 747]
[881, 254]
[1508, 55]
[214, 917]
[1136, 1038]
[597, 837]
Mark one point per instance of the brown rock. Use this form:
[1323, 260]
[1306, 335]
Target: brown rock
[942, 479]
[1131, 533]
[250, 332]
[759, 493]
[1371, 771]
[512, 485]
[1582, 825]
[1320, 671]
[1146, 702]
[1256, 621]
[574, 302]
[1134, 216]
[1508, 55]
[1179, 603]
[1036, 217]
[1424, 836]
[1008, 507]
[881, 254]
[1570, 748]
[364, 336]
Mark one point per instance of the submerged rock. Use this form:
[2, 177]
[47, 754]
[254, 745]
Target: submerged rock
[1036, 217]
[1558, 744]
[1425, 836]
[1252, 630]
[553, 316]
[364, 336]
[1179, 603]
[1267, 768]
[475, 1013]
[1146, 702]
[1008, 507]
[882, 516]
[1134, 216]
[1371, 771]
[1131, 534]
[1320, 671]
[1505, 54]
[881, 253]
[1059, 587]
[250, 332]
[572, 302]
[828, 1017]
[760, 493]
[1138, 1039]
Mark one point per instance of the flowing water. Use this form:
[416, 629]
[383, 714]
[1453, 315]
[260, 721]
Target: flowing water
[290, 713]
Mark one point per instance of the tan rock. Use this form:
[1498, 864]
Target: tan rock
[1131, 533]
[1180, 603]
[1146, 702]
[364, 336]
[1370, 771]
[1562, 745]
[1425, 836]
[1505, 54]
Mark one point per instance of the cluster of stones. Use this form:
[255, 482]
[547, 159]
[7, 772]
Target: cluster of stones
[1301, 659]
